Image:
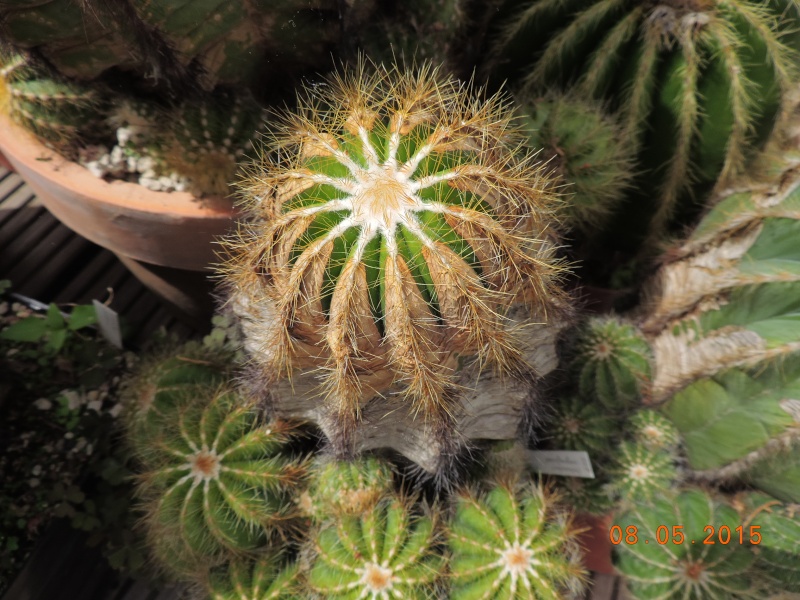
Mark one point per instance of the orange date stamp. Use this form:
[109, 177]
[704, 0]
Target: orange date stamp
[675, 535]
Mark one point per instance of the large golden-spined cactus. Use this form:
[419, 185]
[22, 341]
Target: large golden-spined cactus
[400, 235]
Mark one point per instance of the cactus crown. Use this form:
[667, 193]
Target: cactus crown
[385, 553]
[400, 221]
[510, 542]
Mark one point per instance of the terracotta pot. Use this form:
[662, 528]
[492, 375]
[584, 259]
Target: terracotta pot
[174, 230]
[596, 542]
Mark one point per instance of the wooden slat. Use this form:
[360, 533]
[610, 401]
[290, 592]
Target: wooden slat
[19, 198]
[77, 290]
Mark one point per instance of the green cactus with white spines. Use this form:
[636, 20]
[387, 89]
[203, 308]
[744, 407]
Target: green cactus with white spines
[386, 552]
[639, 473]
[583, 145]
[654, 431]
[338, 487]
[512, 542]
[612, 362]
[266, 577]
[695, 571]
[209, 138]
[222, 479]
[156, 392]
[53, 109]
[698, 83]
[580, 425]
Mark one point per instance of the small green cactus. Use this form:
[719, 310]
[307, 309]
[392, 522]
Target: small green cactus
[612, 360]
[698, 83]
[683, 566]
[580, 425]
[583, 145]
[510, 543]
[222, 479]
[264, 578]
[338, 487]
[639, 473]
[53, 109]
[157, 390]
[654, 431]
[210, 136]
[387, 552]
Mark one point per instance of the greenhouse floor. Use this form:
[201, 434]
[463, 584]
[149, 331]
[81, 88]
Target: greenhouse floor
[47, 262]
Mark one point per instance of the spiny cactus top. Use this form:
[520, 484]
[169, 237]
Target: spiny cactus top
[341, 487]
[612, 362]
[263, 578]
[396, 219]
[222, 479]
[680, 568]
[698, 81]
[512, 544]
[384, 553]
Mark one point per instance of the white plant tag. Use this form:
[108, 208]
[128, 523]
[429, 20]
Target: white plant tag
[108, 322]
[569, 463]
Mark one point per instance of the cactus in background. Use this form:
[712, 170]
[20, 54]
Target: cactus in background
[580, 425]
[76, 38]
[389, 244]
[639, 473]
[155, 393]
[680, 568]
[387, 552]
[262, 578]
[346, 487]
[221, 481]
[583, 146]
[654, 431]
[724, 334]
[209, 137]
[778, 554]
[612, 361]
[511, 542]
[698, 83]
[52, 108]
[412, 31]
[585, 495]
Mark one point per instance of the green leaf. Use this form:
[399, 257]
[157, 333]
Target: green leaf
[56, 340]
[82, 316]
[30, 329]
[54, 319]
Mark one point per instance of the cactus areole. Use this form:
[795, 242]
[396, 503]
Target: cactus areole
[397, 218]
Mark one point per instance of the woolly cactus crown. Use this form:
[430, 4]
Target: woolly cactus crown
[396, 221]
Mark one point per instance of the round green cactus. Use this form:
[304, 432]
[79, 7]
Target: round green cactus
[510, 543]
[641, 473]
[262, 578]
[583, 145]
[221, 480]
[612, 360]
[210, 135]
[398, 223]
[580, 425]
[387, 552]
[155, 393]
[585, 495]
[53, 109]
[697, 82]
[684, 567]
[654, 431]
[338, 487]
